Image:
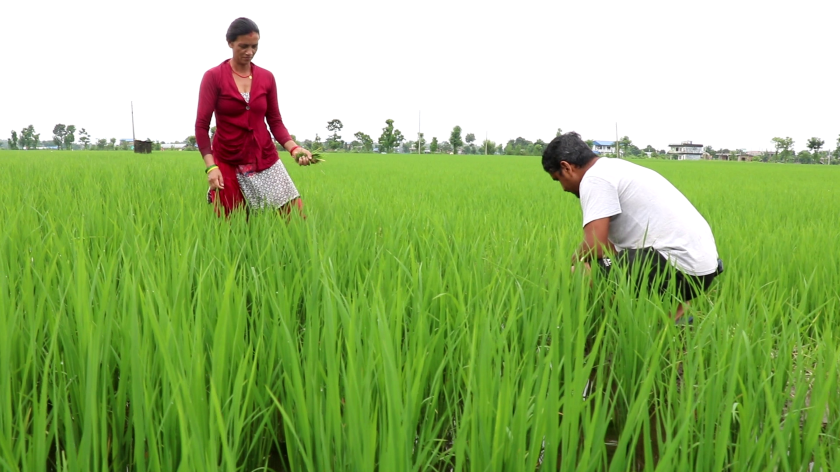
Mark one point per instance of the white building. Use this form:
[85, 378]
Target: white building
[603, 147]
[685, 151]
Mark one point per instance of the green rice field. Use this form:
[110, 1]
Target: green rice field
[422, 318]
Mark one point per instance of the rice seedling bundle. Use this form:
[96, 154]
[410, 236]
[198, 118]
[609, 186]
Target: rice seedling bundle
[423, 317]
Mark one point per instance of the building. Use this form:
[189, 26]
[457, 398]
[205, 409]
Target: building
[603, 147]
[685, 151]
[734, 156]
[143, 147]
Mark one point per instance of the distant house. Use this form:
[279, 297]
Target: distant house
[603, 147]
[173, 146]
[685, 151]
[142, 147]
[761, 155]
[734, 156]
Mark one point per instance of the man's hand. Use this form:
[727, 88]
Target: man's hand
[596, 241]
[587, 269]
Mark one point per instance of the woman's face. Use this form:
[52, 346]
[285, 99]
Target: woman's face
[245, 48]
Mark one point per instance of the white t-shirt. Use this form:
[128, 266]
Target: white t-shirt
[646, 210]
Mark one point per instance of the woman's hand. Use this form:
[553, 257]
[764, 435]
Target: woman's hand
[303, 156]
[214, 178]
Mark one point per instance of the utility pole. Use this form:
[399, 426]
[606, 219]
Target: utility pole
[419, 134]
[133, 138]
[617, 152]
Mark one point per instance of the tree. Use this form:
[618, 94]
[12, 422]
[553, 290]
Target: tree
[805, 157]
[590, 143]
[367, 141]
[212, 132]
[70, 137]
[445, 147]
[64, 136]
[113, 144]
[500, 149]
[13, 141]
[815, 144]
[433, 146]
[317, 145]
[559, 132]
[488, 147]
[59, 131]
[510, 148]
[783, 147]
[84, 138]
[836, 152]
[28, 138]
[334, 141]
[101, 144]
[455, 139]
[390, 138]
[625, 143]
[470, 138]
[537, 148]
[421, 141]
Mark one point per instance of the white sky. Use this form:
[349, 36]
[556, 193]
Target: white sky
[731, 73]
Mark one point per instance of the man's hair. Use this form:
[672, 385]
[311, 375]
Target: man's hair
[241, 27]
[566, 147]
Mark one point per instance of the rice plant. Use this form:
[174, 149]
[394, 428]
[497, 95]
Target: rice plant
[423, 317]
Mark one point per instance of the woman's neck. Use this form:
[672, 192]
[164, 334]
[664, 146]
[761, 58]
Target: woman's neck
[240, 68]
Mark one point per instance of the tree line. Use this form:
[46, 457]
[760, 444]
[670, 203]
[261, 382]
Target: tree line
[393, 140]
[64, 137]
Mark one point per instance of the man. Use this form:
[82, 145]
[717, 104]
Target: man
[635, 212]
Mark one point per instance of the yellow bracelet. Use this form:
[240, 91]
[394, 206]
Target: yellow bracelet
[210, 169]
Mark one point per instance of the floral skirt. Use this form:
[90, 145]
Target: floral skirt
[271, 188]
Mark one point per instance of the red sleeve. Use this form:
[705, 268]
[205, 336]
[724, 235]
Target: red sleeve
[207, 95]
[272, 116]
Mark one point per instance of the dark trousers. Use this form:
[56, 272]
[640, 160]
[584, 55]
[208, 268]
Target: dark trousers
[648, 267]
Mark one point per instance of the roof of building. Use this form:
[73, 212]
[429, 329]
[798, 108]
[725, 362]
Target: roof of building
[603, 143]
[686, 145]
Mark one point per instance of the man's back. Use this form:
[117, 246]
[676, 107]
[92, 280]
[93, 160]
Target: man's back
[647, 211]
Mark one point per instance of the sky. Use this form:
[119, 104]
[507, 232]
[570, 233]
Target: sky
[730, 74]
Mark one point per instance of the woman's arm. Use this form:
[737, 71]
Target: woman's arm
[278, 129]
[207, 95]
[273, 118]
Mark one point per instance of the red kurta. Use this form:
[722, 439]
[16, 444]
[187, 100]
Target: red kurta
[241, 133]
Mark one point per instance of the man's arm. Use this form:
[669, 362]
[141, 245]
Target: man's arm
[596, 242]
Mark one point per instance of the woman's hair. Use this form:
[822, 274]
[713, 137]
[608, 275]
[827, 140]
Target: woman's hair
[566, 147]
[240, 27]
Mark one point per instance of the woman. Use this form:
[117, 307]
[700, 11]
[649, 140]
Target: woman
[242, 162]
